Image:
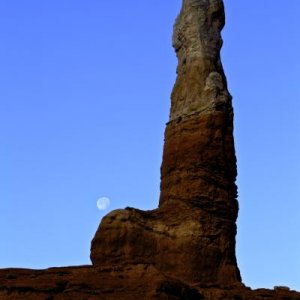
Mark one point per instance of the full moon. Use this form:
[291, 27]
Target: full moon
[103, 203]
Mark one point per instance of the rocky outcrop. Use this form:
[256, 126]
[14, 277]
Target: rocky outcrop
[191, 236]
[86, 282]
[184, 249]
[115, 283]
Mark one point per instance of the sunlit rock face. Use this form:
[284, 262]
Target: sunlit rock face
[191, 236]
[201, 85]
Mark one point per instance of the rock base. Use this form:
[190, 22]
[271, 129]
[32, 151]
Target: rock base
[115, 283]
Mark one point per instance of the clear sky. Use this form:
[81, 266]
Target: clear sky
[84, 98]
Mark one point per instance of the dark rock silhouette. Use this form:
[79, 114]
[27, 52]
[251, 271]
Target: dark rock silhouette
[184, 249]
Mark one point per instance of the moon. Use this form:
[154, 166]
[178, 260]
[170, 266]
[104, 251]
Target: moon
[103, 203]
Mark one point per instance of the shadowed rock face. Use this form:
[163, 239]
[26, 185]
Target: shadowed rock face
[118, 283]
[191, 236]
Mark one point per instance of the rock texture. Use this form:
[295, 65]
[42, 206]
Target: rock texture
[116, 283]
[184, 249]
[191, 236]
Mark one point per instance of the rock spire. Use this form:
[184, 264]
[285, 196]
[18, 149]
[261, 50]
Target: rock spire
[191, 236]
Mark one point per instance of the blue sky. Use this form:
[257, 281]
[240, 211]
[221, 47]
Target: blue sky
[84, 98]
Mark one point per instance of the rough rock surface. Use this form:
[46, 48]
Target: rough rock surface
[191, 236]
[116, 283]
[184, 249]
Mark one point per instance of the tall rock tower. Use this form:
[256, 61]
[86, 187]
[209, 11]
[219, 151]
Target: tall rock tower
[191, 236]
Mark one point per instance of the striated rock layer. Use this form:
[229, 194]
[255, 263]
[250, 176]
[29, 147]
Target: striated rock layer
[191, 236]
[184, 249]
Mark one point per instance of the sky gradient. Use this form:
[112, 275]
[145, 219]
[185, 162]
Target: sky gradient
[84, 98]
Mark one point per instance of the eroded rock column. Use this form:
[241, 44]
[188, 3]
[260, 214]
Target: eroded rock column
[199, 163]
[191, 236]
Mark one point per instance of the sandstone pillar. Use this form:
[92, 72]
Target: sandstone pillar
[191, 236]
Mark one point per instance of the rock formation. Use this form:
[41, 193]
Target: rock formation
[184, 249]
[191, 236]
